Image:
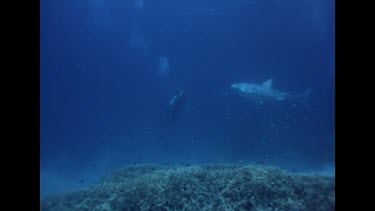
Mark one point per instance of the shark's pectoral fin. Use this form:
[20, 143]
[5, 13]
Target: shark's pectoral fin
[304, 97]
[268, 83]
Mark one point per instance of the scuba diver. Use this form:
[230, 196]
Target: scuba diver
[175, 105]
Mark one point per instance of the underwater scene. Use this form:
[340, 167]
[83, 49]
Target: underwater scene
[187, 105]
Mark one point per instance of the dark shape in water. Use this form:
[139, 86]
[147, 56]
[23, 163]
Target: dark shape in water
[175, 105]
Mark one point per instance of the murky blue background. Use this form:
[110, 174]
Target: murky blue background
[105, 94]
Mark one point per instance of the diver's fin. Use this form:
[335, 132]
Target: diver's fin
[268, 83]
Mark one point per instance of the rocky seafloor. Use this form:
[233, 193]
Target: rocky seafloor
[200, 187]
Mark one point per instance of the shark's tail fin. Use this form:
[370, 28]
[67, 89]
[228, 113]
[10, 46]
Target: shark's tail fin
[304, 97]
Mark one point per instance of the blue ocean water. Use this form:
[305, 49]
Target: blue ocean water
[109, 70]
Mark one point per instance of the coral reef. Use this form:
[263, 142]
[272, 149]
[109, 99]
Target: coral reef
[202, 187]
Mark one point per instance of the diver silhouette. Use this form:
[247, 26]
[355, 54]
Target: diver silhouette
[175, 105]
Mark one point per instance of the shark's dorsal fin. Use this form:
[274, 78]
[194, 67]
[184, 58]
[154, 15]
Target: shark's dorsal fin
[268, 83]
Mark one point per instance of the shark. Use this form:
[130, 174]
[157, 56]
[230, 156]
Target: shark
[260, 92]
